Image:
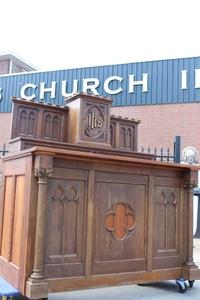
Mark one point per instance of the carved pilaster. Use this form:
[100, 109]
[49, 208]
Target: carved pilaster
[42, 174]
[190, 181]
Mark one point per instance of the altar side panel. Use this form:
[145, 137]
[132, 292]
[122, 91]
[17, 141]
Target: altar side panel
[167, 225]
[65, 239]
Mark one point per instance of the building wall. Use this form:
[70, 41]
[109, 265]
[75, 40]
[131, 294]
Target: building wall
[143, 83]
[5, 123]
[4, 67]
[161, 123]
[16, 68]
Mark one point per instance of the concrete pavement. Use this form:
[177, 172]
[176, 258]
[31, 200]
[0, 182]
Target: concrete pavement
[160, 291]
[166, 290]
[196, 252]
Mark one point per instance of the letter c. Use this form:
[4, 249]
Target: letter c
[108, 81]
[23, 91]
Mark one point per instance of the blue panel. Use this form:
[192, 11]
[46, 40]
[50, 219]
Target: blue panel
[164, 83]
[144, 71]
[138, 89]
[180, 91]
[186, 67]
[175, 81]
[159, 82]
[149, 93]
[197, 66]
[191, 95]
[154, 76]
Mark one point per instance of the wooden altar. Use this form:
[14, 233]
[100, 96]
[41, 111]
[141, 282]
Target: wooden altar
[80, 207]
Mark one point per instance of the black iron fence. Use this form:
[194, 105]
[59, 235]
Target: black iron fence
[3, 151]
[162, 154]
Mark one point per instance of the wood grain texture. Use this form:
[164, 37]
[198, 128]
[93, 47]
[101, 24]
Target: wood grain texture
[167, 208]
[143, 239]
[65, 220]
[8, 211]
[83, 209]
[119, 252]
[38, 121]
[90, 220]
[18, 220]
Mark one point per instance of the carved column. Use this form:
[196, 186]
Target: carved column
[190, 182]
[37, 287]
[42, 175]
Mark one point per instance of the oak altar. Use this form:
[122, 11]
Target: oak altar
[80, 207]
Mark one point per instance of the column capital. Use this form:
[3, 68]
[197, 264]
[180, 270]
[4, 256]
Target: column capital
[43, 173]
[190, 180]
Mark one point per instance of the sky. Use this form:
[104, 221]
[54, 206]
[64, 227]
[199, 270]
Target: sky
[66, 34]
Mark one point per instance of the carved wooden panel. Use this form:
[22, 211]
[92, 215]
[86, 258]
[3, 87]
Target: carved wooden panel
[124, 133]
[39, 121]
[18, 220]
[94, 123]
[7, 218]
[12, 218]
[119, 223]
[166, 226]
[65, 228]
[120, 220]
[27, 119]
[113, 134]
[51, 125]
[126, 138]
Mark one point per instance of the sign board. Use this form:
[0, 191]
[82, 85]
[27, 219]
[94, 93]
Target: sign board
[143, 83]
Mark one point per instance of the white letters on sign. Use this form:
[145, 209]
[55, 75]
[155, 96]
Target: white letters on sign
[143, 82]
[184, 79]
[197, 78]
[44, 89]
[65, 88]
[108, 81]
[112, 85]
[24, 90]
[90, 84]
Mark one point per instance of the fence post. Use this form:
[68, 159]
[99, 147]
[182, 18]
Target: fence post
[4, 149]
[177, 149]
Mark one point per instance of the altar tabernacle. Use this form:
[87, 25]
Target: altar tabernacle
[80, 207]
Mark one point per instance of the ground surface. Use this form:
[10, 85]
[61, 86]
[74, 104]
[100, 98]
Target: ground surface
[162, 291]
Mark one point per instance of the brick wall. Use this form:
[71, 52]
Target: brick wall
[5, 123]
[161, 123]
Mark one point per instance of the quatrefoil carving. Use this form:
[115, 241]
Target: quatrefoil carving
[120, 221]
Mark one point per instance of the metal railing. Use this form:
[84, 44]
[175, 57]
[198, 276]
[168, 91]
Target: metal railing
[162, 154]
[3, 151]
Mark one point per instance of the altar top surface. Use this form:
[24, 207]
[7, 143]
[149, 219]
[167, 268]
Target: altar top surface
[98, 157]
